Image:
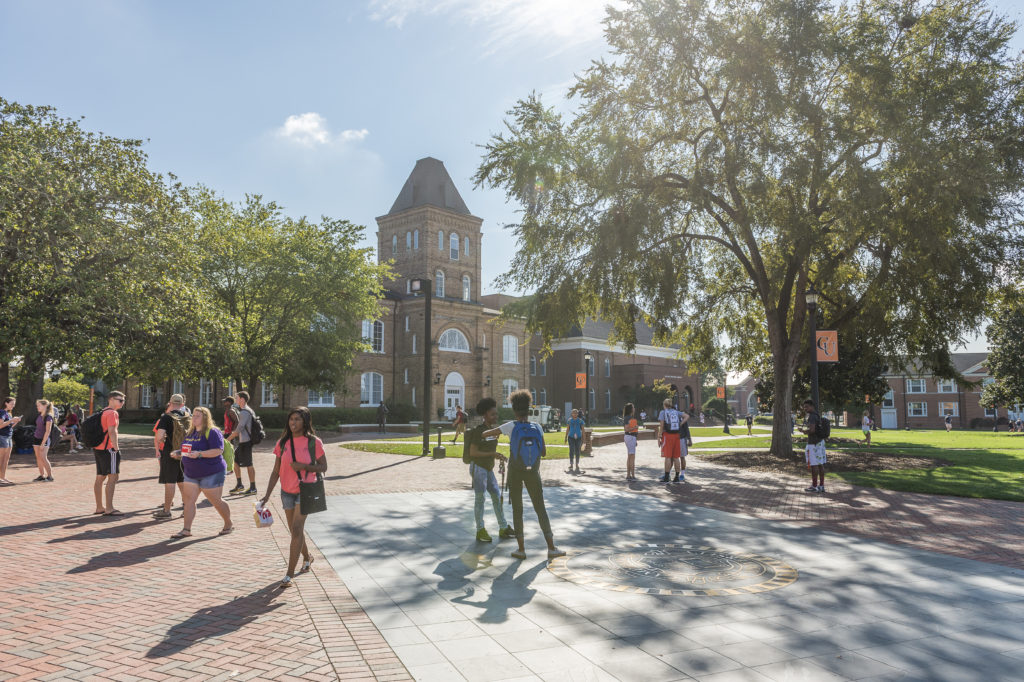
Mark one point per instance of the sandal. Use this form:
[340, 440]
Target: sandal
[287, 582]
[306, 565]
[226, 531]
[114, 512]
[183, 533]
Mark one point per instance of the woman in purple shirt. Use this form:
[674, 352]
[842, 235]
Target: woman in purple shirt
[203, 464]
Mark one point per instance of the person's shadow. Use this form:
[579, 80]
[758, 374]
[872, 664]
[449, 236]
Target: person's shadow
[135, 555]
[508, 591]
[216, 621]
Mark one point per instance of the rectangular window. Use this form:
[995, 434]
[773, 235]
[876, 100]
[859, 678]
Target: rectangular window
[510, 350]
[990, 412]
[915, 386]
[178, 387]
[320, 399]
[145, 396]
[414, 396]
[508, 387]
[607, 400]
[917, 409]
[268, 395]
[543, 368]
[406, 323]
[888, 400]
[414, 344]
[206, 392]
[949, 409]
[373, 335]
[945, 386]
[405, 376]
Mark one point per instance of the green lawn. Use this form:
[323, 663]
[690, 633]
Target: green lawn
[136, 429]
[551, 439]
[450, 451]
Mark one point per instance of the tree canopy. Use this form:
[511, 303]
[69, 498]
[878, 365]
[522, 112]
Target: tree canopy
[728, 155]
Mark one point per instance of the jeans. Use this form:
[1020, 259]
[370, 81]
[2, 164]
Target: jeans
[574, 450]
[517, 478]
[484, 481]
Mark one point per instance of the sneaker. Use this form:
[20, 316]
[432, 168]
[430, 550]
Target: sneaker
[555, 553]
[578, 470]
[251, 490]
[570, 470]
[519, 554]
[237, 489]
[664, 479]
[821, 488]
[49, 479]
[506, 533]
[682, 476]
[38, 478]
[675, 479]
[811, 489]
[482, 535]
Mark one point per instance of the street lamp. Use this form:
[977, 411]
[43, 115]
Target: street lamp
[587, 357]
[811, 296]
[423, 286]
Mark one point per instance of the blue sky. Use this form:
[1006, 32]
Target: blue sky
[321, 106]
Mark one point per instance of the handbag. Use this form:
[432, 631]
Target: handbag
[312, 498]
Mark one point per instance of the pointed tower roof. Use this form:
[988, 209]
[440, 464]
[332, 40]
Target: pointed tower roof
[429, 184]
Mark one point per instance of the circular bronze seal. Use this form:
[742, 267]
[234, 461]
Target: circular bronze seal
[683, 570]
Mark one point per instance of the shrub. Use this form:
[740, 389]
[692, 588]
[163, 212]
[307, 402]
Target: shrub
[982, 423]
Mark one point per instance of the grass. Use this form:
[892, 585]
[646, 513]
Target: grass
[136, 429]
[550, 439]
[450, 451]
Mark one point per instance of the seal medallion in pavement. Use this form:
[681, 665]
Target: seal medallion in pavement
[682, 570]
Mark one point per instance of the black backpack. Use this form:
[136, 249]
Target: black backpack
[92, 430]
[824, 428]
[256, 431]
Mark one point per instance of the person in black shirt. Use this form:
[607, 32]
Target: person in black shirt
[815, 454]
[171, 473]
[481, 453]
[750, 424]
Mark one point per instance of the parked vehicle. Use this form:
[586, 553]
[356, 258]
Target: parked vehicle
[546, 416]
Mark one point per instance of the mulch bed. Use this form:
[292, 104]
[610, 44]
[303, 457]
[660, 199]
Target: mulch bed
[837, 461]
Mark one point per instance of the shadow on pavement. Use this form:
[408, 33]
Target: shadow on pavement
[136, 556]
[508, 591]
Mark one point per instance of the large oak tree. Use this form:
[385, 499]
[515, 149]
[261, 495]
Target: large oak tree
[727, 155]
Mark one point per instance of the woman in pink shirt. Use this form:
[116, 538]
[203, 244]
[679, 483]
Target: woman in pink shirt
[292, 461]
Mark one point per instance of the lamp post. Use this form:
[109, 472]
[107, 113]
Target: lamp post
[725, 397]
[587, 357]
[423, 286]
[812, 311]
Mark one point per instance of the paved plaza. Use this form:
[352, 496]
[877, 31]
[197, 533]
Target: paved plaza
[735, 575]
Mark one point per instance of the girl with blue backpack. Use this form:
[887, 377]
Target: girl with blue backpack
[526, 447]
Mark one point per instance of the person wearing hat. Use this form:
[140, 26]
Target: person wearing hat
[171, 474]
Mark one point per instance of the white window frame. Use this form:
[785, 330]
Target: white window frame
[373, 335]
[146, 394]
[510, 349]
[408, 241]
[467, 288]
[543, 396]
[914, 384]
[405, 376]
[415, 240]
[369, 396]
[453, 246]
[439, 284]
[508, 387]
[320, 399]
[450, 339]
[206, 392]
[178, 386]
[268, 394]
[945, 386]
[608, 369]
[394, 244]
[592, 370]
[914, 411]
[544, 367]
[889, 399]
[949, 409]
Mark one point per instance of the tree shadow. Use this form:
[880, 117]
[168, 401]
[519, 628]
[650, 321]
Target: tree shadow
[136, 555]
[215, 621]
[508, 591]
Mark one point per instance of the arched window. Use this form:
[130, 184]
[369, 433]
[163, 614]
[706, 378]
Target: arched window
[371, 391]
[607, 367]
[394, 244]
[508, 387]
[453, 340]
[440, 240]
[591, 401]
[373, 335]
[466, 289]
[593, 367]
[544, 368]
[439, 284]
[465, 243]
[608, 399]
[533, 365]
[408, 241]
[510, 349]
[543, 396]
[453, 246]
[416, 240]
[533, 396]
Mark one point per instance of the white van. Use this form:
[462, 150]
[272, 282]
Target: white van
[546, 417]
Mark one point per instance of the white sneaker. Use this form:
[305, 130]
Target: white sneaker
[821, 488]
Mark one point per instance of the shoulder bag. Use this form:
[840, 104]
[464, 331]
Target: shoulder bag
[312, 498]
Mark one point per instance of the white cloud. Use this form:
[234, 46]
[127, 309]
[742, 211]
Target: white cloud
[310, 130]
[557, 23]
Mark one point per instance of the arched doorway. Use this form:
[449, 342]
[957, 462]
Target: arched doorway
[454, 393]
[687, 399]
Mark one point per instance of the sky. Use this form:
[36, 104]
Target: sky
[323, 107]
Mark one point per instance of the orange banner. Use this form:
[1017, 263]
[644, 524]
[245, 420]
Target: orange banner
[827, 343]
[581, 380]
[721, 391]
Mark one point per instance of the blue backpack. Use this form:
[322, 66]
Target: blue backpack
[526, 443]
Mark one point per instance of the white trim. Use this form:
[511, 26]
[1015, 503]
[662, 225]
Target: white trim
[268, 396]
[593, 344]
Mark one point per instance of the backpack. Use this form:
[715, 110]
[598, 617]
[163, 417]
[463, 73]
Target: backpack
[672, 417]
[824, 430]
[526, 443]
[182, 422]
[256, 431]
[92, 429]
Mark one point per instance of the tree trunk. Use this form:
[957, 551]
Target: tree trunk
[30, 389]
[5, 379]
[782, 409]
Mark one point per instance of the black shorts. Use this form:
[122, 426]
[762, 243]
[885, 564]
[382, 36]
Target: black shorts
[243, 454]
[39, 441]
[107, 463]
[170, 470]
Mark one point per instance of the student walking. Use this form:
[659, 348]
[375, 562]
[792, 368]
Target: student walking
[526, 447]
[44, 436]
[382, 418]
[702, 419]
[865, 427]
[170, 434]
[750, 424]
[243, 450]
[460, 424]
[643, 416]
[574, 437]
[108, 456]
[7, 424]
[673, 450]
[815, 453]
[296, 456]
[480, 452]
[632, 429]
[204, 469]
[949, 422]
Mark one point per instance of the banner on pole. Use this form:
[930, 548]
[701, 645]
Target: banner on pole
[721, 392]
[827, 344]
[581, 380]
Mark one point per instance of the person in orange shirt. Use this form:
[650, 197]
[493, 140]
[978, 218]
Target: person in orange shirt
[632, 429]
[108, 456]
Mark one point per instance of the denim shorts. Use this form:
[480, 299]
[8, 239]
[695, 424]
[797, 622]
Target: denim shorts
[207, 482]
[289, 500]
[5, 442]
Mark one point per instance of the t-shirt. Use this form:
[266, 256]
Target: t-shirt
[41, 426]
[750, 420]
[245, 424]
[575, 428]
[204, 466]
[460, 417]
[8, 430]
[109, 419]
[230, 421]
[811, 424]
[672, 420]
[632, 427]
[865, 422]
[475, 437]
[72, 419]
[167, 424]
[300, 447]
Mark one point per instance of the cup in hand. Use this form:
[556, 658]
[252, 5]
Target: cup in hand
[186, 449]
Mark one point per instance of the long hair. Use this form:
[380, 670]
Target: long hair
[48, 412]
[627, 410]
[207, 421]
[307, 425]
